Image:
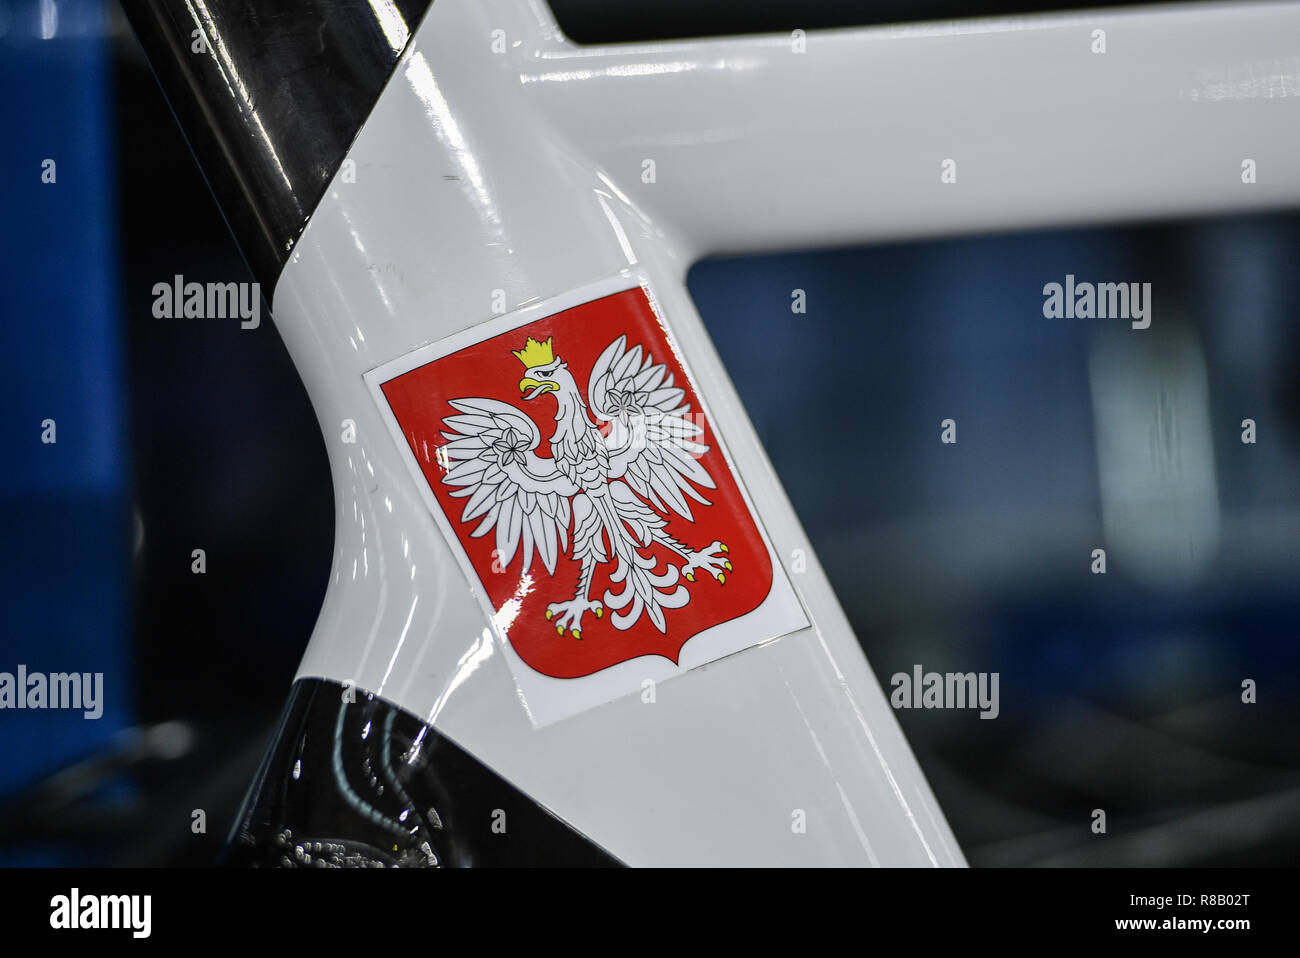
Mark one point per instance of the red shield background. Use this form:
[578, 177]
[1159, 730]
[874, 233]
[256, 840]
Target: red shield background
[420, 399]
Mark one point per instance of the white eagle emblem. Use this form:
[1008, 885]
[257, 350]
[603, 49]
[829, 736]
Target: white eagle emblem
[623, 458]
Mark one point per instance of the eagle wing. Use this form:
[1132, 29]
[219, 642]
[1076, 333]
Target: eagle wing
[649, 430]
[491, 458]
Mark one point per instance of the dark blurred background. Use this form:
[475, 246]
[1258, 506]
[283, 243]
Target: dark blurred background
[1119, 692]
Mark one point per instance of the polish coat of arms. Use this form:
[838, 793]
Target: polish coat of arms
[570, 460]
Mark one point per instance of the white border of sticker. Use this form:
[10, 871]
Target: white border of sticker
[545, 698]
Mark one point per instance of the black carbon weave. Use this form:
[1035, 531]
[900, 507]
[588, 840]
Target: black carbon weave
[365, 784]
[272, 101]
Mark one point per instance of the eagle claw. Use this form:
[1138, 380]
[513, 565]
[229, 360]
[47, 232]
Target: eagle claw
[568, 615]
[710, 560]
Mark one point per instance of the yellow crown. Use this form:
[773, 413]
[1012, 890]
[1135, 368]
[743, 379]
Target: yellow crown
[535, 353]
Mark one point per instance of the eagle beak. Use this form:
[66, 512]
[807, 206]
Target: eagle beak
[537, 387]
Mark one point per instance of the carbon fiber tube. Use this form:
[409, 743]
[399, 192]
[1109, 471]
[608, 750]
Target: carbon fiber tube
[270, 95]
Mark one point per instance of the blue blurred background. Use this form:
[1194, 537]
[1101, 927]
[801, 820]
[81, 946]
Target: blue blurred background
[65, 566]
[1119, 691]
[171, 436]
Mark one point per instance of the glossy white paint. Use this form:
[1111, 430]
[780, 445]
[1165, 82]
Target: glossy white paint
[521, 172]
[758, 147]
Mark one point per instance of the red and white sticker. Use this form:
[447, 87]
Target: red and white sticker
[569, 461]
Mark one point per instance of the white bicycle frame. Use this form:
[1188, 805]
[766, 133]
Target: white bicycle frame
[503, 160]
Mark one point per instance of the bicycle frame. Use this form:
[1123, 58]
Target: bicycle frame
[504, 164]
